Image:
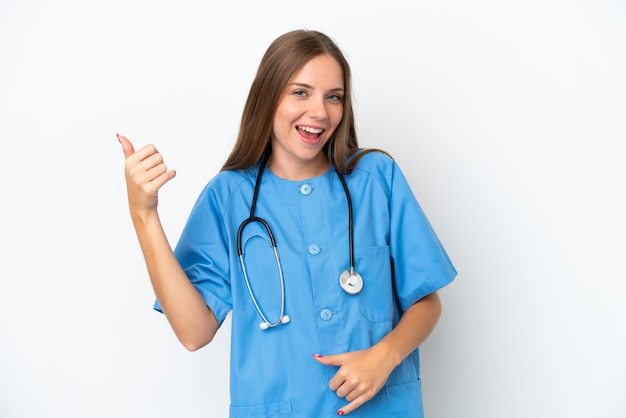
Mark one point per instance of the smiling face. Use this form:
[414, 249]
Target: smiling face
[309, 109]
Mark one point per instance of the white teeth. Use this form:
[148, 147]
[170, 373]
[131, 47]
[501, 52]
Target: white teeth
[311, 130]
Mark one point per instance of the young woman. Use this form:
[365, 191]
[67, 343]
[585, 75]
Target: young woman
[319, 250]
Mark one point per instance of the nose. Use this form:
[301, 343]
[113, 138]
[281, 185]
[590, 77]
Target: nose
[317, 109]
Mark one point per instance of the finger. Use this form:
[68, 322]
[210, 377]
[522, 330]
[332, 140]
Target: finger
[334, 360]
[152, 173]
[344, 390]
[164, 178]
[352, 406]
[141, 167]
[151, 187]
[340, 380]
[337, 360]
[127, 146]
[147, 152]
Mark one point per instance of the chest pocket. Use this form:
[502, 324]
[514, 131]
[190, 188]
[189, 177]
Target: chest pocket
[376, 299]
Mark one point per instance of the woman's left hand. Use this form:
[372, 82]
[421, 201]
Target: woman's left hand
[360, 376]
[363, 373]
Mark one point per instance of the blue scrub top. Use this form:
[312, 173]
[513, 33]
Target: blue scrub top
[273, 373]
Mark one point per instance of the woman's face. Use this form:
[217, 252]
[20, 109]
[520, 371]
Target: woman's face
[309, 109]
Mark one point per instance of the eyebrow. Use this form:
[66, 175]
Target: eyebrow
[336, 89]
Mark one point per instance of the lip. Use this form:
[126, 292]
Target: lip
[310, 139]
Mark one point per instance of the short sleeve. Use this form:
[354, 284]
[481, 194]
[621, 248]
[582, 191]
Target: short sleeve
[420, 264]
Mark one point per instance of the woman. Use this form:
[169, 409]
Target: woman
[279, 238]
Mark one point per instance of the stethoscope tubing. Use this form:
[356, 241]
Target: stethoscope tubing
[350, 224]
[345, 277]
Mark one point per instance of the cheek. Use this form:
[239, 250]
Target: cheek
[280, 121]
[336, 117]
[285, 115]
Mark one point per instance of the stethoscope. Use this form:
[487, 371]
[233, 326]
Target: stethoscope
[349, 280]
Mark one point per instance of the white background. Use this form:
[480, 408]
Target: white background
[508, 118]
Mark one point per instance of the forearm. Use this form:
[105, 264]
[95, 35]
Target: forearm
[193, 323]
[415, 325]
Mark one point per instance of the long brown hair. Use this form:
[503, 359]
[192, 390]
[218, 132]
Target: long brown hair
[284, 57]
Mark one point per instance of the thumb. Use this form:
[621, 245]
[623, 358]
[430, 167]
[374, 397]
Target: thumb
[127, 147]
[333, 360]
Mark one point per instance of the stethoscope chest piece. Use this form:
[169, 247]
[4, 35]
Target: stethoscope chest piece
[351, 282]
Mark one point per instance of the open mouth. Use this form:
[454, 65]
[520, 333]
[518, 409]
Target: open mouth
[309, 133]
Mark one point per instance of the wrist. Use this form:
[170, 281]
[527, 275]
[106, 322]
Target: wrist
[386, 350]
[144, 218]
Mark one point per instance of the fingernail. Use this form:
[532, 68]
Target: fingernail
[118, 137]
[317, 355]
[340, 412]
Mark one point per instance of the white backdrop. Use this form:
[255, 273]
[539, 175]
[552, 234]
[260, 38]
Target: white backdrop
[508, 118]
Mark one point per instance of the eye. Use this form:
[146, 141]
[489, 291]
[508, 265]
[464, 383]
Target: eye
[335, 98]
[299, 93]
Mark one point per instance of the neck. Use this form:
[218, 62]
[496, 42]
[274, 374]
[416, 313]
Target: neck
[298, 170]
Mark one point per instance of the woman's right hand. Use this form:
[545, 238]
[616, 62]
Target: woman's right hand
[192, 321]
[145, 174]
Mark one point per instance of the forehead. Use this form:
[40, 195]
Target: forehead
[320, 70]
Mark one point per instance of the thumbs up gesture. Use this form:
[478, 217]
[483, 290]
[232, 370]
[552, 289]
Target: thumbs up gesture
[145, 174]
